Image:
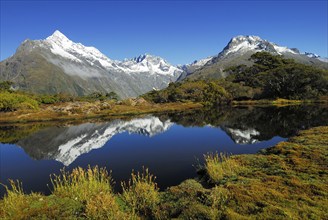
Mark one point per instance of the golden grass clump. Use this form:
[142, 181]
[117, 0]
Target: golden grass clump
[82, 184]
[218, 199]
[104, 206]
[13, 200]
[16, 204]
[219, 166]
[141, 193]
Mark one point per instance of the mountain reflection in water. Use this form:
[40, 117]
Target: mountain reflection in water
[167, 143]
[65, 144]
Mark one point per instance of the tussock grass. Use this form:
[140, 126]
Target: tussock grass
[141, 193]
[220, 166]
[13, 200]
[17, 205]
[105, 206]
[218, 198]
[82, 184]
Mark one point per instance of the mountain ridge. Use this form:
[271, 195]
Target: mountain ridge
[59, 65]
[238, 51]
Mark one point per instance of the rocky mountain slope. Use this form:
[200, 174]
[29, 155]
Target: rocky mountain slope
[59, 65]
[239, 50]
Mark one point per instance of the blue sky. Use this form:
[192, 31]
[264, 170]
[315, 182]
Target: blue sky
[179, 31]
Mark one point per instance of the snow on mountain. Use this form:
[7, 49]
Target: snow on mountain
[149, 63]
[323, 59]
[281, 50]
[60, 45]
[242, 44]
[238, 52]
[72, 68]
[87, 137]
[190, 68]
[311, 55]
[316, 56]
[200, 63]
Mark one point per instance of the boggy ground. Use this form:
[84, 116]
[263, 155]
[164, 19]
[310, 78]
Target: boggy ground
[287, 181]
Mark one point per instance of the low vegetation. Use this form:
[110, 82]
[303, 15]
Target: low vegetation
[104, 110]
[287, 181]
[220, 166]
[269, 78]
[12, 102]
[141, 194]
[17, 106]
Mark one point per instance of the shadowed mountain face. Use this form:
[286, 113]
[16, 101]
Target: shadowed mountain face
[244, 126]
[59, 65]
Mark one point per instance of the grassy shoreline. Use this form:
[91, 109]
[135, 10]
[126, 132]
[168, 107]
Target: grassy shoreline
[90, 110]
[77, 111]
[286, 181]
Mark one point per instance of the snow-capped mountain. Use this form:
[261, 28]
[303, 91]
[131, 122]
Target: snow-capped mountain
[58, 64]
[59, 44]
[239, 50]
[150, 64]
[313, 55]
[244, 44]
[66, 144]
[192, 67]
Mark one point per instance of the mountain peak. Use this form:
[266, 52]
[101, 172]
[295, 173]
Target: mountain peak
[311, 55]
[251, 38]
[148, 57]
[58, 35]
[242, 44]
[140, 58]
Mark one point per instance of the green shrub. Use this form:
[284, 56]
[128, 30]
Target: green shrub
[14, 101]
[196, 91]
[62, 97]
[216, 95]
[47, 99]
[277, 77]
[98, 96]
[5, 85]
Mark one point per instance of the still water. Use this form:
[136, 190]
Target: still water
[169, 145]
